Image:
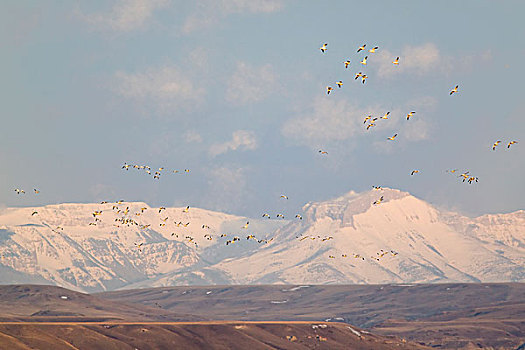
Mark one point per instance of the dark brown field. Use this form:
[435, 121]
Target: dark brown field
[451, 316]
[212, 335]
[439, 315]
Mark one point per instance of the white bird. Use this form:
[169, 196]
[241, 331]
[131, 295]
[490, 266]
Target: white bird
[454, 90]
[363, 62]
[324, 48]
[392, 137]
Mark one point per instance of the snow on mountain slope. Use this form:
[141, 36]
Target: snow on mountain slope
[345, 240]
[428, 248]
[64, 245]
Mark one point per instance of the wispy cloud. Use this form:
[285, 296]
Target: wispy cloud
[414, 59]
[192, 136]
[226, 189]
[164, 87]
[126, 15]
[241, 139]
[328, 120]
[210, 12]
[424, 59]
[252, 6]
[251, 84]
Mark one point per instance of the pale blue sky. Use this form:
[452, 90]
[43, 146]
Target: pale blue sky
[235, 90]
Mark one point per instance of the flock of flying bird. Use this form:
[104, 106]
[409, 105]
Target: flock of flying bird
[466, 176]
[128, 218]
[147, 170]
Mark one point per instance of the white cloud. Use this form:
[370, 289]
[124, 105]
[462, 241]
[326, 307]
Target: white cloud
[414, 59]
[226, 189]
[252, 6]
[126, 15]
[251, 84]
[164, 87]
[424, 59]
[192, 136]
[211, 12]
[330, 120]
[241, 139]
[417, 130]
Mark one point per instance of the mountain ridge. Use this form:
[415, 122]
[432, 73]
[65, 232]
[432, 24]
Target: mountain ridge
[348, 239]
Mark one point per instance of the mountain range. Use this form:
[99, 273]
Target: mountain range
[346, 240]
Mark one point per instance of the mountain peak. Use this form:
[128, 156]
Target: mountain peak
[351, 203]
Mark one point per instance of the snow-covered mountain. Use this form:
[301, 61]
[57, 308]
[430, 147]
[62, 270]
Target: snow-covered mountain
[345, 240]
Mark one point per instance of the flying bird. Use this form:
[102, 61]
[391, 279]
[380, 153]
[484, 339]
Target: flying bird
[361, 48]
[372, 50]
[357, 75]
[396, 61]
[283, 196]
[410, 114]
[378, 201]
[511, 143]
[347, 63]
[454, 90]
[495, 145]
[367, 118]
[328, 90]
[34, 213]
[299, 217]
[246, 225]
[364, 77]
[385, 116]
[414, 172]
[36, 191]
[324, 48]
[19, 191]
[392, 137]
[363, 62]
[266, 215]
[339, 83]
[323, 152]
[187, 209]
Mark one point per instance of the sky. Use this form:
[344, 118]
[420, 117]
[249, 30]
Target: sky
[235, 91]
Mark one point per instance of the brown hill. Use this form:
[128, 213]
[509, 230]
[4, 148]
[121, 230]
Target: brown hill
[443, 315]
[217, 335]
[44, 303]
